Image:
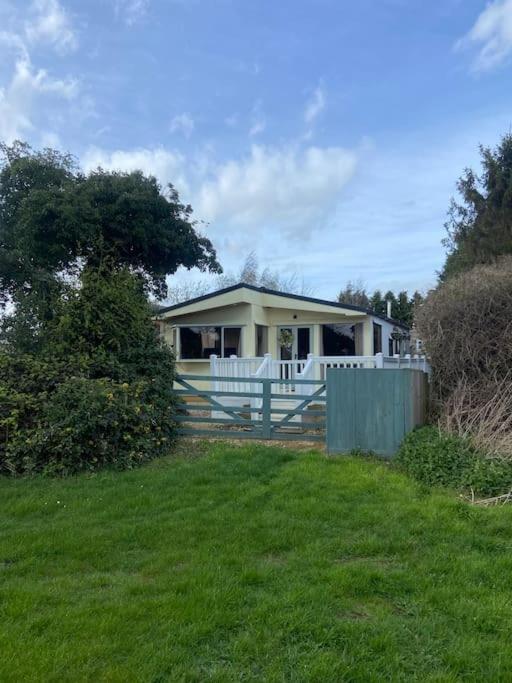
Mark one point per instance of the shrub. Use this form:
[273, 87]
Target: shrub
[438, 459]
[481, 410]
[90, 423]
[466, 327]
[97, 391]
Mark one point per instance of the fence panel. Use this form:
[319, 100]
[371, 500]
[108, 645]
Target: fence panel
[372, 410]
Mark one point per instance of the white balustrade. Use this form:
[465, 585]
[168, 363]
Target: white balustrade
[312, 367]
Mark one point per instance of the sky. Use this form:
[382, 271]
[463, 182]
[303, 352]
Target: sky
[325, 135]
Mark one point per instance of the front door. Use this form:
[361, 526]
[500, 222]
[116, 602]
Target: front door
[294, 342]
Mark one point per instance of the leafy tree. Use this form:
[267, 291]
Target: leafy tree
[479, 228]
[84, 379]
[54, 219]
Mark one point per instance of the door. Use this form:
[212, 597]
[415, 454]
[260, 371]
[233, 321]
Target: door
[294, 342]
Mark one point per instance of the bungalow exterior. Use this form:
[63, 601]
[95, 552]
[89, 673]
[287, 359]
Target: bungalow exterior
[249, 322]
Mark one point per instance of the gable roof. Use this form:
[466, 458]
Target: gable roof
[275, 292]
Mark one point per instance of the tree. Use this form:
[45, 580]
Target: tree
[479, 228]
[249, 273]
[354, 293]
[84, 379]
[378, 303]
[403, 307]
[54, 220]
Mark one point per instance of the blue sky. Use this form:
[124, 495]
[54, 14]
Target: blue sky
[326, 135]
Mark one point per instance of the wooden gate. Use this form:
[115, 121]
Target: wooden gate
[262, 413]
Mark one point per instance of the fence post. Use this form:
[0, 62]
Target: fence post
[266, 409]
[379, 360]
[213, 371]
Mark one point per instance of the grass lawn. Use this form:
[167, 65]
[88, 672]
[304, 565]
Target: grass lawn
[251, 563]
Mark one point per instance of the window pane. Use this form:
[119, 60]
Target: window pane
[232, 345]
[341, 340]
[199, 342]
[377, 338]
[261, 340]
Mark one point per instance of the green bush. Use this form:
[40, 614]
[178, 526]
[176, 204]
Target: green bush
[438, 459]
[90, 423]
[79, 423]
[97, 390]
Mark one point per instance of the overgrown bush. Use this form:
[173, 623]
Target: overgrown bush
[97, 392]
[84, 424]
[438, 459]
[466, 327]
[481, 410]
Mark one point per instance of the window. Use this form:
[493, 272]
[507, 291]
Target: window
[342, 340]
[394, 347]
[261, 340]
[231, 341]
[202, 341]
[377, 338]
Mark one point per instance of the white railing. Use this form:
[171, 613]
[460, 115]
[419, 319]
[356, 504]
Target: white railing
[313, 367]
[286, 369]
[323, 363]
[415, 362]
[233, 367]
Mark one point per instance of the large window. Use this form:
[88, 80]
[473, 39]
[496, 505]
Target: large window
[377, 338]
[202, 341]
[342, 340]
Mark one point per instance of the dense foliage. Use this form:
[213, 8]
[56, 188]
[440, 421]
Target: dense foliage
[54, 218]
[480, 227]
[98, 390]
[438, 459]
[85, 381]
[465, 327]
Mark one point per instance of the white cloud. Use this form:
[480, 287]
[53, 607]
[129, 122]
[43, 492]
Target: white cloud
[131, 11]
[18, 98]
[315, 106]
[182, 123]
[167, 166]
[50, 24]
[493, 32]
[285, 188]
[26, 86]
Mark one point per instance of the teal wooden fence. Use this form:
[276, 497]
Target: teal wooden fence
[261, 414]
[372, 410]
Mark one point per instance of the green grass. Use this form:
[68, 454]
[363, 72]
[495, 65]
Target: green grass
[251, 563]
